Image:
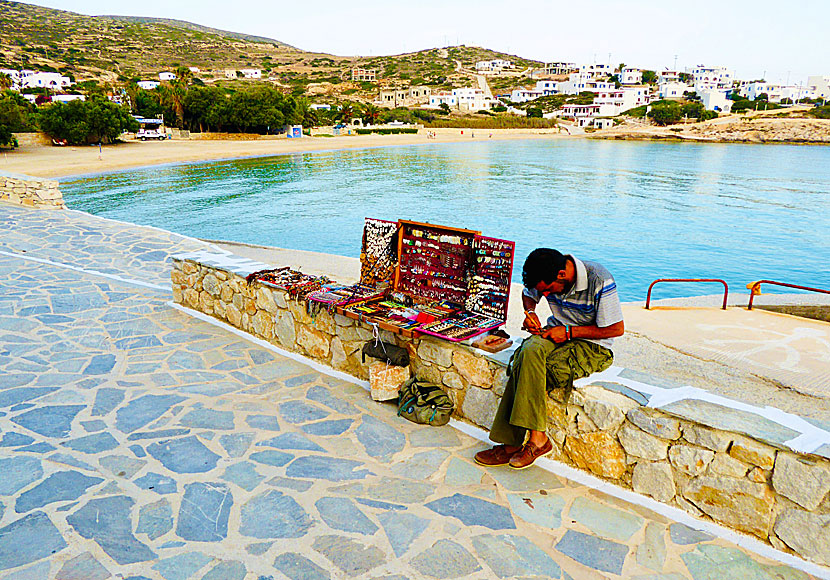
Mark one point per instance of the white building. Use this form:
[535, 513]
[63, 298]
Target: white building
[631, 76]
[14, 75]
[494, 66]
[67, 98]
[441, 98]
[708, 77]
[251, 73]
[715, 100]
[30, 79]
[194, 69]
[668, 76]
[559, 68]
[148, 85]
[167, 76]
[525, 95]
[820, 85]
[472, 99]
[672, 89]
[777, 93]
[319, 107]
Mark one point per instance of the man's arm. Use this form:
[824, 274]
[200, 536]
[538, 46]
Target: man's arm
[560, 333]
[531, 322]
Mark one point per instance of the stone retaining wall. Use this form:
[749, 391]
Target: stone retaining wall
[753, 486]
[32, 192]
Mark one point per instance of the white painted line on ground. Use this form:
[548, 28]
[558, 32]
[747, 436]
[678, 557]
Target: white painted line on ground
[84, 271]
[810, 439]
[555, 467]
[673, 513]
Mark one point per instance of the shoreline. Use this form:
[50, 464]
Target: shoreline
[39, 160]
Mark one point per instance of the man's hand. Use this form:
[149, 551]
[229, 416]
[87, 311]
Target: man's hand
[531, 323]
[557, 334]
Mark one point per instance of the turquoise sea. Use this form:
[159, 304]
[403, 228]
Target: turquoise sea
[644, 210]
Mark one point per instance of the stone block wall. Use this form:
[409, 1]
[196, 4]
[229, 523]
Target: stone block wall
[41, 193]
[753, 486]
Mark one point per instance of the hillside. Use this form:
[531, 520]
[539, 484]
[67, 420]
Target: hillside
[120, 48]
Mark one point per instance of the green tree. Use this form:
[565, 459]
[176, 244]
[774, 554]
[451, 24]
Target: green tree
[444, 108]
[534, 112]
[692, 110]
[371, 113]
[666, 113]
[649, 77]
[96, 120]
[198, 104]
[5, 82]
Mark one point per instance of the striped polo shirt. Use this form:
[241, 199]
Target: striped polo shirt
[592, 300]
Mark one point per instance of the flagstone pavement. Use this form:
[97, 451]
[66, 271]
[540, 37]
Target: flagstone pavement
[139, 442]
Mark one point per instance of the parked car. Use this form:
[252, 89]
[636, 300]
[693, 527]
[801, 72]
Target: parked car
[145, 134]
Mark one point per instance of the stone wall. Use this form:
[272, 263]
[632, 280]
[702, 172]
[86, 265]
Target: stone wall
[754, 486]
[32, 192]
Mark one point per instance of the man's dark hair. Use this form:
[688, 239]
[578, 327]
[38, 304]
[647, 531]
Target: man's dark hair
[542, 265]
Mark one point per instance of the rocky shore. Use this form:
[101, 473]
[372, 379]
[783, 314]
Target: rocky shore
[730, 129]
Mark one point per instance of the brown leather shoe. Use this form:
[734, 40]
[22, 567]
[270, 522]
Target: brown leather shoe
[529, 454]
[498, 455]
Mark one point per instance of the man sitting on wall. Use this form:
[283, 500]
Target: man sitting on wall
[576, 341]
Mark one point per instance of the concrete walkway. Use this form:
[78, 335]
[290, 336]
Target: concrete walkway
[139, 442]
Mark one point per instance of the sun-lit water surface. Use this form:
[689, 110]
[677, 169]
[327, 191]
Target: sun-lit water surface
[644, 210]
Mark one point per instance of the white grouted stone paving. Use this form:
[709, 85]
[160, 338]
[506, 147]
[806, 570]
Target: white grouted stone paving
[138, 442]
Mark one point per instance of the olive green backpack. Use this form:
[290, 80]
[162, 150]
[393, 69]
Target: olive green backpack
[424, 403]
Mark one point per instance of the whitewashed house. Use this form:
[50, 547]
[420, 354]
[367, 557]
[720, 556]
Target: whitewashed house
[494, 66]
[777, 93]
[820, 85]
[67, 98]
[711, 77]
[30, 79]
[194, 69]
[148, 85]
[443, 97]
[672, 89]
[251, 73]
[525, 95]
[668, 76]
[14, 75]
[471, 99]
[319, 107]
[167, 76]
[631, 76]
[559, 68]
[715, 100]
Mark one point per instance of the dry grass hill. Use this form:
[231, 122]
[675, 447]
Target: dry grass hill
[120, 48]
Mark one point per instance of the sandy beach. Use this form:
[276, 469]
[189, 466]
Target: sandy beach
[39, 160]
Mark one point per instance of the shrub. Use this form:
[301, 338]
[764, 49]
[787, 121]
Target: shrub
[534, 112]
[666, 113]
[820, 112]
[92, 121]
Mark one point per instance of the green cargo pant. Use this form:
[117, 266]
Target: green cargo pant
[537, 366]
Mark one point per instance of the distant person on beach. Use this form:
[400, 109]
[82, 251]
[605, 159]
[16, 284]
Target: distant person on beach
[575, 343]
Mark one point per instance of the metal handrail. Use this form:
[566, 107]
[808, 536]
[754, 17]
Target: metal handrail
[756, 289]
[725, 286]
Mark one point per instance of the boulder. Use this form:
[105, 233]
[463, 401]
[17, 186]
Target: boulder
[738, 503]
[598, 452]
[690, 460]
[807, 534]
[640, 444]
[654, 479]
[806, 483]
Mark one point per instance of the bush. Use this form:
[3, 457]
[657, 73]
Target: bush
[708, 115]
[96, 120]
[692, 110]
[499, 109]
[534, 112]
[820, 112]
[667, 113]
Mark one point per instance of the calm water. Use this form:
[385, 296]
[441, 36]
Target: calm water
[644, 210]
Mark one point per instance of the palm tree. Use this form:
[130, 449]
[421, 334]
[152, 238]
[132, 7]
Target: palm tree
[370, 114]
[346, 112]
[6, 82]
